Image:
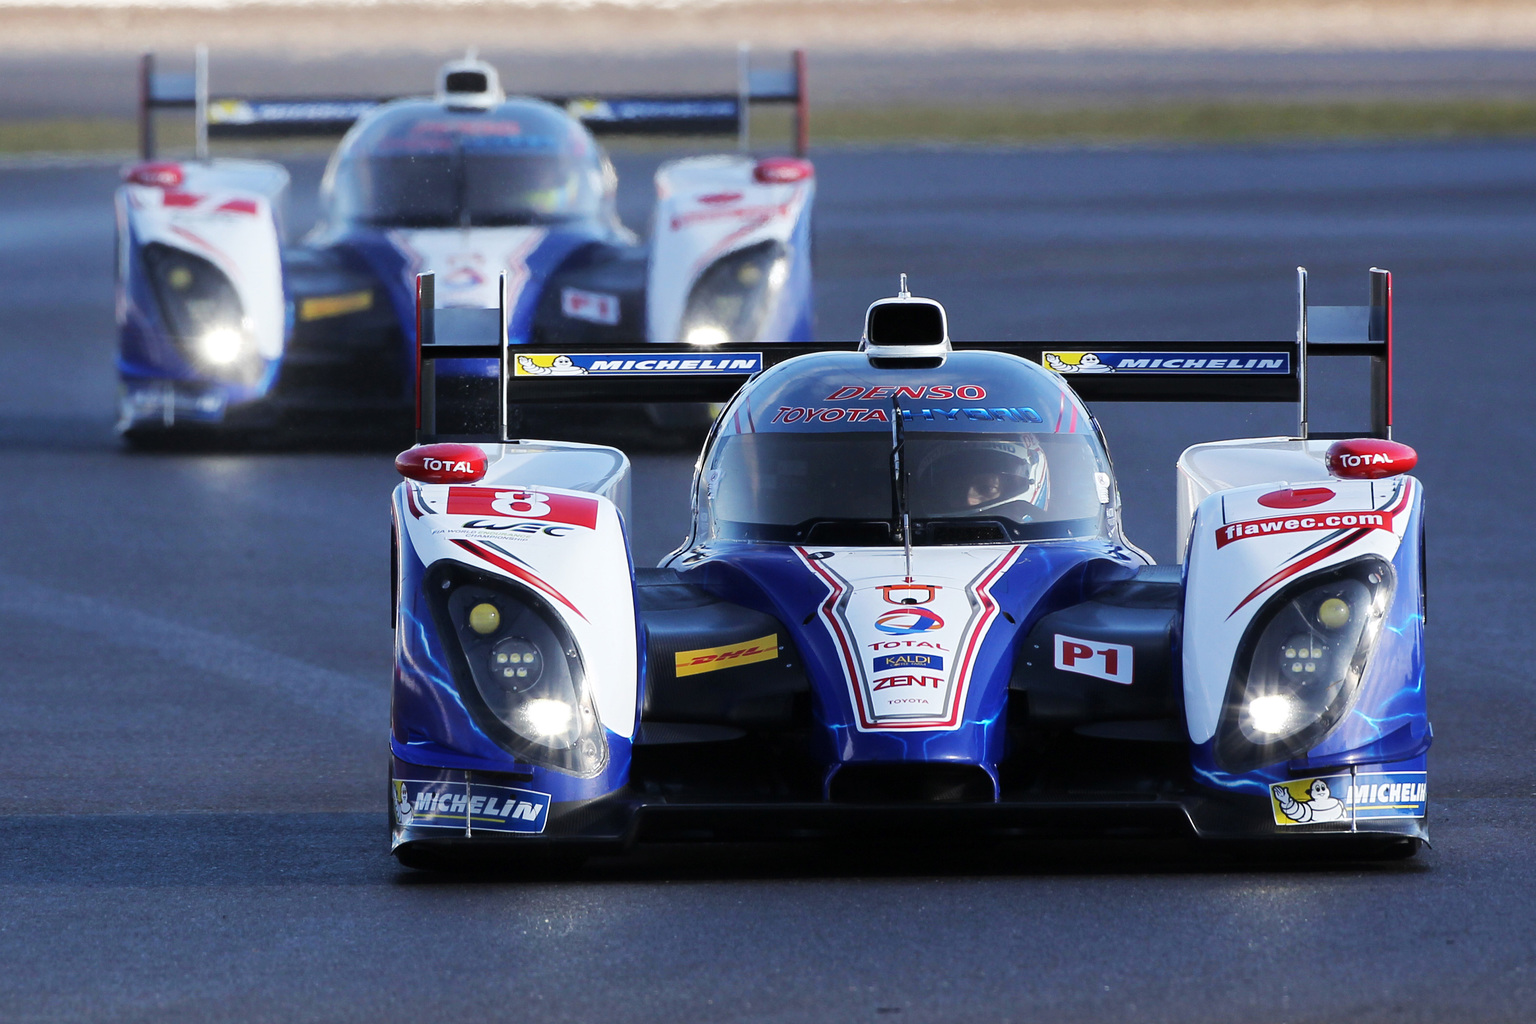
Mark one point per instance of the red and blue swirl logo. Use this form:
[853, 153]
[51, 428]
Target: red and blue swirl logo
[905, 621]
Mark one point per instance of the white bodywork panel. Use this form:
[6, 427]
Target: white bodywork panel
[1207, 468]
[583, 572]
[926, 627]
[707, 207]
[1242, 552]
[468, 262]
[229, 212]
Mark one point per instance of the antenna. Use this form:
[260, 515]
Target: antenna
[903, 294]
[1301, 351]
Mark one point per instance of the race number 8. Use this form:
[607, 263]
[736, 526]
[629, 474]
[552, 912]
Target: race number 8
[521, 504]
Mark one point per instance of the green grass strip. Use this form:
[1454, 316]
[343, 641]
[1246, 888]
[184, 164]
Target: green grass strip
[999, 124]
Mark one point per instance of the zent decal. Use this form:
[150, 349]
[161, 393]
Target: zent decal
[1112, 662]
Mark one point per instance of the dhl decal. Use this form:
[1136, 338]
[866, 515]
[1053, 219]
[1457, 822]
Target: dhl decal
[712, 659]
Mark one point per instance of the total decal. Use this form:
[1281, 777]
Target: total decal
[461, 806]
[1169, 362]
[907, 648]
[1342, 799]
[609, 364]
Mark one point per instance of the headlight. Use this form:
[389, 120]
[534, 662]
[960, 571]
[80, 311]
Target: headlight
[203, 312]
[731, 300]
[518, 669]
[1298, 668]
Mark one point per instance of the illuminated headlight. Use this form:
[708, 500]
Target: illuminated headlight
[222, 346]
[732, 299]
[1299, 666]
[203, 313]
[518, 670]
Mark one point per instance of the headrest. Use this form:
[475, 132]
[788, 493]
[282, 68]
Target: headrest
[469, 84]
[905, 328]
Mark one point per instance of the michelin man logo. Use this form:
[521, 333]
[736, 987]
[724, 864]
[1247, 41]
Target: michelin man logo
[1086, 362]
[548, 366]
[1315, 803]
[403, 808]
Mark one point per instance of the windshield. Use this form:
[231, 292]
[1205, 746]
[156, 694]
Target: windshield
[417, 165]
[787, 465]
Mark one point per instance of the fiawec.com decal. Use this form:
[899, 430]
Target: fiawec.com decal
[513, 503]
[1299, 524]
[1338, 798]
[458, 806]
[712, 659]
[1169, 362]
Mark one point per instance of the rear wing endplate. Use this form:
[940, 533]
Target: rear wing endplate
[236, 117]
[1190, 371]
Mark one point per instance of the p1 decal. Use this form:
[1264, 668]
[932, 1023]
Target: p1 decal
[455, 805]
[713, 659]
[1111, 662]
[513, 503]
[1340, 799]
[594, 307]
[1278, 363]
[906, 621]
[1300, 524]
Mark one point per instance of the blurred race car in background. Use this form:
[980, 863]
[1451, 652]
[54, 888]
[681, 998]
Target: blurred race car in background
[220, 322]
[907, 606]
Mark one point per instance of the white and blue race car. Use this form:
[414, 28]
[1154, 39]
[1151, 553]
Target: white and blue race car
[221, 323]
[907, 606]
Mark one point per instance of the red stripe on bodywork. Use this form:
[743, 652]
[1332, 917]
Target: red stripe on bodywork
[519, 572]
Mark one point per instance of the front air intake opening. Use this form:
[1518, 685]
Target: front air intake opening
[911, 783]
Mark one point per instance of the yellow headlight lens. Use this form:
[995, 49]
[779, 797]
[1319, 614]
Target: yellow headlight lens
[1333, 612]
[484, 618]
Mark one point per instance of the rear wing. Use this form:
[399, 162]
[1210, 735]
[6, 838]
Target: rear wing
[449, 408]
[221, 116]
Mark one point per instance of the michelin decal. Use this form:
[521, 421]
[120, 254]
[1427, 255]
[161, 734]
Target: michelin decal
[611, 364]
[1278, 363]
[1340, 799]
[456, 805]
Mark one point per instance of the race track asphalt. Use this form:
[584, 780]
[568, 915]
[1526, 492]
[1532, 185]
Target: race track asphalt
[194, 653]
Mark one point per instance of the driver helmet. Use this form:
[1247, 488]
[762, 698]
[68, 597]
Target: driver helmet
[984, 476]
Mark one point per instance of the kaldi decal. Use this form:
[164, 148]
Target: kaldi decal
[523, 504]
[1112, 662]
[909, 660]
[942, 392]
[1299, 524]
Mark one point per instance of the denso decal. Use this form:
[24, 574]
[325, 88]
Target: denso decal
[458, 806]
[943, 392]
[608, 364]
[909, 620]
[1112, 662]
[1169, 362]
[1340, 799]
[594, 307]
[909, 660]
[523, 504]
[712, 659]
[1299, 524]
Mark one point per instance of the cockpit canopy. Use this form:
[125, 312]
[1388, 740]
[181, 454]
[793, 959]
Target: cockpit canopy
[993, 448]
[424, 164]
